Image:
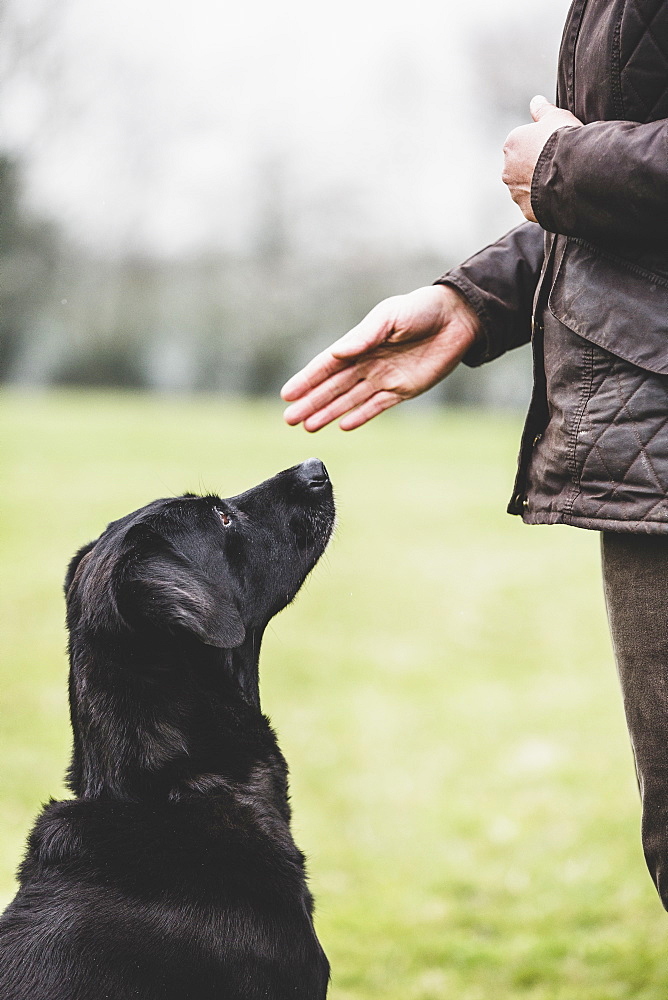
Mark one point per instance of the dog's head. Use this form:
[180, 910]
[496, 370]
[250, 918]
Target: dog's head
[201, 566]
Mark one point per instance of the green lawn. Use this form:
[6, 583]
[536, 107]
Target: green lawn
[443, 689]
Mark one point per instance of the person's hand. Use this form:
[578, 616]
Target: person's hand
[405, 345]
[523, 147]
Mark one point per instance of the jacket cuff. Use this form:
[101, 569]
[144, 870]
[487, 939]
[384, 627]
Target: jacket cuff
[499, 283]
[547, 181]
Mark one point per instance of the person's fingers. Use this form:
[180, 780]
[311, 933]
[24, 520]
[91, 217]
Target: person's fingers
[358, 394]
[370, 332]
[539, 106]
[317, 371]
[379, 402]
[336, 385]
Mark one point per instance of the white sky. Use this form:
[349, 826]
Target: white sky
[166, 126]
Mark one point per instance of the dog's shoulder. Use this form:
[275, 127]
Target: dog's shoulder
[196, 882]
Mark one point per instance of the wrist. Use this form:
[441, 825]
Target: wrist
[457, 306]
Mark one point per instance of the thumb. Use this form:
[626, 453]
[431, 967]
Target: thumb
[362, 338]
[539, 107]
[372, 331]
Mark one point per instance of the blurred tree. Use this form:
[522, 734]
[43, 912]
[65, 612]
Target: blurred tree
[27, 256]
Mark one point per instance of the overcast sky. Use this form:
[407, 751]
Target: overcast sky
[170, 127]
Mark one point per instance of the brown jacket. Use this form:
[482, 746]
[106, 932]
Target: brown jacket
[592, 282]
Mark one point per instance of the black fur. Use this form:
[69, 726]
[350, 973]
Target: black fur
[172, 874]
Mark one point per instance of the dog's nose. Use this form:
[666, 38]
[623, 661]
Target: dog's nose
[313, 473]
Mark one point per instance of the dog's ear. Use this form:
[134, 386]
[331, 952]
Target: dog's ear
[165, 588]
[74, 564]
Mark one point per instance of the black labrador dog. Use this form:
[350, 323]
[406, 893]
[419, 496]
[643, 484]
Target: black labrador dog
[172, 874]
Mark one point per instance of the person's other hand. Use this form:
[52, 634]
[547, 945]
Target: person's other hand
[405, 345]
[523, 147]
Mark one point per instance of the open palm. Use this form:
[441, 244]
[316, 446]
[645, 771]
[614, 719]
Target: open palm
[403, 347]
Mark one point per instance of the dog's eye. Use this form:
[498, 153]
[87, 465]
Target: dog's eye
[225, 518]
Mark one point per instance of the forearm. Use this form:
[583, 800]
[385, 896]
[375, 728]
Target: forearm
[606, 182]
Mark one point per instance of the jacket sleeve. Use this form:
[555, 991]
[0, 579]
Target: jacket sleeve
[499, 282]
[606, 182]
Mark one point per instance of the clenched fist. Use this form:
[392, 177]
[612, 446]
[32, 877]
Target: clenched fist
[523, 147]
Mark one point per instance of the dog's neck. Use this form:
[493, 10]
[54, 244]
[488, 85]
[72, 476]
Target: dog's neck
[150, 716]
[242, 664]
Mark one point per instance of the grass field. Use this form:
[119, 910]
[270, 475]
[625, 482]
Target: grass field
[443, 689]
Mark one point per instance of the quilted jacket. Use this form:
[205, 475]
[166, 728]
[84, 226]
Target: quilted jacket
[590, 282]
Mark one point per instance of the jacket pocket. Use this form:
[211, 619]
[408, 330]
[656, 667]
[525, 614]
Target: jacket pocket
[614, 304]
